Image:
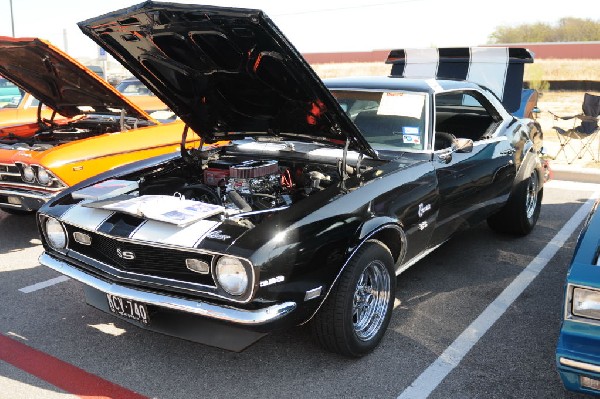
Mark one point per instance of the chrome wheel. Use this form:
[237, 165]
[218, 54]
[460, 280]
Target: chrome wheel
[371, 299]
[531, 196]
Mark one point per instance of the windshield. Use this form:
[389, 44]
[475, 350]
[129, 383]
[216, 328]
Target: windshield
[133, 88]
[387, 120]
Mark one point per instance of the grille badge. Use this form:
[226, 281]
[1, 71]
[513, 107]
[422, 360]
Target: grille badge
[125, 254]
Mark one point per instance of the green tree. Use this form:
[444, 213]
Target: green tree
[565, 30]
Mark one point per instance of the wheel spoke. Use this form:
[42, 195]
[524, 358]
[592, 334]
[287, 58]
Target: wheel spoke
[531, 195]
[370, 300]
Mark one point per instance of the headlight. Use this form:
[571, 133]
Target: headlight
[43, 177]
[57, 238]
[28, 174]
[231, 275]
[586, 303]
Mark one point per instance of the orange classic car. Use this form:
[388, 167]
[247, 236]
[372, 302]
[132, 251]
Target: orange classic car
[22, 108]
[97, 128]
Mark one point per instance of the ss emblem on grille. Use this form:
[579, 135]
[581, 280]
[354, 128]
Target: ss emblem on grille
[125, 254]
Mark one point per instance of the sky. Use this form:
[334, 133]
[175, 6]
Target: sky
[318, 26]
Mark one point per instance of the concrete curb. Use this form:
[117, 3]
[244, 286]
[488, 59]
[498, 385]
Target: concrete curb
[575, 173]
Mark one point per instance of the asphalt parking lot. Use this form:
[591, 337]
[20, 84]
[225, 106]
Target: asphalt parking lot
[478, 318]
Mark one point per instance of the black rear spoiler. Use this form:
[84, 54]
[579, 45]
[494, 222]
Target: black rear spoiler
[500, 69]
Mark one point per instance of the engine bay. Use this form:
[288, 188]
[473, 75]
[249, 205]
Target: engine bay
[44, 135]
[249, 187]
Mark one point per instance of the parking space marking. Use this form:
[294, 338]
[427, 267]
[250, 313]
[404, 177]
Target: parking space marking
[571, 185]
[428, 381]
[44, 284]
[62, 375]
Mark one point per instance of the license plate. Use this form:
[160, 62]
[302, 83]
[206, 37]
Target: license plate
[128, 308]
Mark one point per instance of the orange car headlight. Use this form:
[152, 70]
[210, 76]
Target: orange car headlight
[43, 177]
[28, 175]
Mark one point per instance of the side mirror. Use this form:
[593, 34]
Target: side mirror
[459, 146]
[463, 145]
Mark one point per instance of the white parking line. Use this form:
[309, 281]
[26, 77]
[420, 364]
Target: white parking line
[452, 356]
[572, 185]
[44, 284]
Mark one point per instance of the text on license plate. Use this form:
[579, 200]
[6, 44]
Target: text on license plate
[128, 308]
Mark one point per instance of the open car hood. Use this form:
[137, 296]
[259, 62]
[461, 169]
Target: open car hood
[58, 80]
[226, 72]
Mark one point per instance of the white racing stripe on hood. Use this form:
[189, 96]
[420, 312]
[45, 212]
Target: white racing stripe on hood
[166, 233]
[86, 218]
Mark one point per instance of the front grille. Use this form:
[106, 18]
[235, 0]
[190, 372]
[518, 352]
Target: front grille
[140, 258]
[10, 173]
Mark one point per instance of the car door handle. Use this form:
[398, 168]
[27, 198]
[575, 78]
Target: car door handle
[508, 152]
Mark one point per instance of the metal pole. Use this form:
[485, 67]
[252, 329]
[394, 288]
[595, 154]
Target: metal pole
[12, 20]
[65, 41]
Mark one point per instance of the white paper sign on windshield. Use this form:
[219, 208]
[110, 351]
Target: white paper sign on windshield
[401, 104]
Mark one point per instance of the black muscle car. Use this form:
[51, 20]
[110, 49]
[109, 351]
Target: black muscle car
[327, 192]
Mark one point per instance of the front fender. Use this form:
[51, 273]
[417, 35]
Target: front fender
[383, 229]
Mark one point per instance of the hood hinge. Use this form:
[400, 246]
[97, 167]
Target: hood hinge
[343, 165]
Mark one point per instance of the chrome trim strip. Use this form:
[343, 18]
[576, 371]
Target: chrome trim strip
[9, 173]
[579, 365]
[417, 258]
[224, 313]
[34, 186]
[27, 194]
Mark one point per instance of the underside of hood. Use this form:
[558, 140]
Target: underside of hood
[226, 72]
[58, 80]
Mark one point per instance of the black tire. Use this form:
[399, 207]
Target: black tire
[521, 212]
[18, 212]
[349, 322]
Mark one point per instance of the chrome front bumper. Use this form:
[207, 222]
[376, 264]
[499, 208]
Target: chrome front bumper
[583, 366]
[217, 312]
[28, 200]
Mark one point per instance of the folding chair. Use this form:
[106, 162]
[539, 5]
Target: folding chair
[585, 133]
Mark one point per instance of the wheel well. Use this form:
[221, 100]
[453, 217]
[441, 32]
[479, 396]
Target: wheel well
[392, 239]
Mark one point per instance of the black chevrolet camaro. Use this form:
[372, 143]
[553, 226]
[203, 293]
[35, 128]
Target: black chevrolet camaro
[327, 191]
